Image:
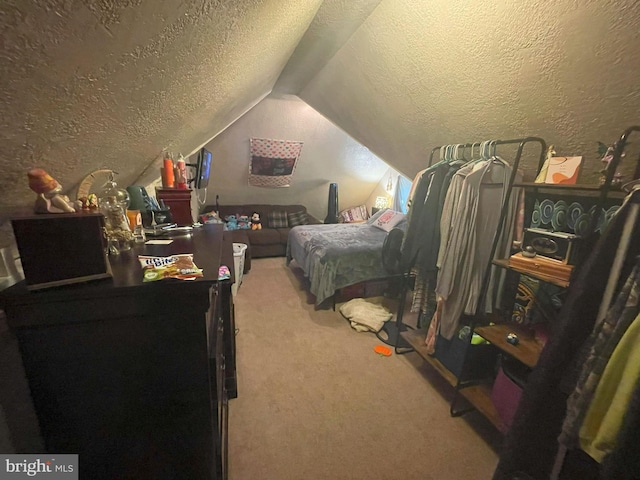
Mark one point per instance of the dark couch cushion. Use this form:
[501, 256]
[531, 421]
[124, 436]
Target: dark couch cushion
[284, 235]
[262, 209]
[266, 236]
[277, 219]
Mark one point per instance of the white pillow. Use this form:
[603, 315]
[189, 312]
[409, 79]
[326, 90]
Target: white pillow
[388, 220]
[354, 214]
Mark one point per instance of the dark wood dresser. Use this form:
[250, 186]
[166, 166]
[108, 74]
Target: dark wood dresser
[134, 377]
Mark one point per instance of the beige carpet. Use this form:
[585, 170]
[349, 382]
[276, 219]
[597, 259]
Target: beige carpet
[315, 402]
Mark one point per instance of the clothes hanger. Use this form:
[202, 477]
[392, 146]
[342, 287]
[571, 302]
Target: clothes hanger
[473, 145]
[456, 153]
[473, 160]
[463, 159]
[493, 145]
[489, 151]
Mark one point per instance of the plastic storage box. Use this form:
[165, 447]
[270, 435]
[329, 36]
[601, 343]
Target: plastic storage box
[239, 250]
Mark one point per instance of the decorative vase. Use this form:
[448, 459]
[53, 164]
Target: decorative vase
[113, 203]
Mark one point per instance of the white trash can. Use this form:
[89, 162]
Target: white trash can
[239, 250]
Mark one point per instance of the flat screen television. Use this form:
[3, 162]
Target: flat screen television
[202, 169]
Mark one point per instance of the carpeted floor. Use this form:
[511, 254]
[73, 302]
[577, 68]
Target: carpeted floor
[315, 402]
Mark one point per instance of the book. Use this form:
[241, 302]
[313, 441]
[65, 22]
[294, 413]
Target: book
[563, 170]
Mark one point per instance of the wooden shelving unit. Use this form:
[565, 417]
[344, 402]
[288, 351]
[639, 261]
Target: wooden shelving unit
[578, 187]
[478, 395]
[528, 349]
[503, 262]
[415, 338]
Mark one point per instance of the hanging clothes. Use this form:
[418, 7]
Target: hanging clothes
[623, 463]
[422, 249]
[473, 228]
[600, 346]
[417, 203]
[431, 216]
[603, 419]
[531, 443]
[414, 186]
[449, 209]
[423, 216]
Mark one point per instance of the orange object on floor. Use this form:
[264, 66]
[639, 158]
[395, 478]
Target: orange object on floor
[382, 350]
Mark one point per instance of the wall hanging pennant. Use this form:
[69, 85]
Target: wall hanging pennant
[273, 162]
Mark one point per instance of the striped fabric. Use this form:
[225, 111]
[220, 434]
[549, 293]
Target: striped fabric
[278, 219]
[297, 218]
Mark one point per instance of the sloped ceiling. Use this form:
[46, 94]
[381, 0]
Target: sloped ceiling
[94, 83]
[335, 22]
[419, 74]
[91, 83]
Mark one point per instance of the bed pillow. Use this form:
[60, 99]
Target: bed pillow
[376, 215]
[297, 218]
[277, 219]
[353, 214]
[388, 220]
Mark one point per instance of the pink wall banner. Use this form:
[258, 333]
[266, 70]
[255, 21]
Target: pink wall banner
[273, 162]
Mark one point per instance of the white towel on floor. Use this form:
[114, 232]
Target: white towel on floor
[365, 316]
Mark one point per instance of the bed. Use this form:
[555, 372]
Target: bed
[334, 256]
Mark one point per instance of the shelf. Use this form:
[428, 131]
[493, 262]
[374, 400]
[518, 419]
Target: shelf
[477, 395]
[415, 338]
[591, 189]
[533, 274]
[528, 349]
[587, 187]
[480, 397]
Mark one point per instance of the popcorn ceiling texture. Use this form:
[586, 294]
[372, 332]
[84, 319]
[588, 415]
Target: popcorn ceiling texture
[110, 83]
[86, 84]
[420, 74]
[334, 23]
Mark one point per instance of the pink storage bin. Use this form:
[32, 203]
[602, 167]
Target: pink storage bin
[507, 390]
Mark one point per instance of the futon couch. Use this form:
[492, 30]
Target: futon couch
[276, 220]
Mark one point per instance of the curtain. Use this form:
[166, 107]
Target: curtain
[403, 185]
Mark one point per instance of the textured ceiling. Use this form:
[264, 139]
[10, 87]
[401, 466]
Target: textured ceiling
[86, 84]
[334, 23]
[419, 74]
[95, 83]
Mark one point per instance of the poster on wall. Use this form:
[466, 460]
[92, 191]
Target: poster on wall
[273, 162]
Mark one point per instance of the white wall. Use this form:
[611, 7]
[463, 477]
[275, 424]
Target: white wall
[328, 155]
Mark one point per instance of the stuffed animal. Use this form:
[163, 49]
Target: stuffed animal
[210, 217]
[243, 222]
[255, 221]
[232, 222]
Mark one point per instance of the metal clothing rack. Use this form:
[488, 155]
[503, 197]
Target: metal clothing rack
[399, 326]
